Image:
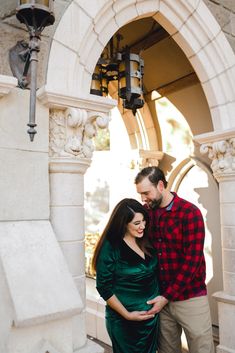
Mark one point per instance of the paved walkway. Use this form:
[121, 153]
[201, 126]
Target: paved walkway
[108, 349]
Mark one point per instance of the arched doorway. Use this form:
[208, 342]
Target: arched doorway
[189, 25]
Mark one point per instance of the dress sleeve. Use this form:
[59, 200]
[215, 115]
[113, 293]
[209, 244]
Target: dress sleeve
[105, 271]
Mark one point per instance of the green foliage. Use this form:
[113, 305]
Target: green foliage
[102, 140]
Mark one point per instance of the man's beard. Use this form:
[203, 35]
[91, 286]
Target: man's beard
[155, 203]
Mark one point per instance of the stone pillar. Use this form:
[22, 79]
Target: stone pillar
[221, 150]
[71, 148]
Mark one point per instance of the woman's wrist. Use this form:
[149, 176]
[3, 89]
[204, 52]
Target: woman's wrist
[126, 315]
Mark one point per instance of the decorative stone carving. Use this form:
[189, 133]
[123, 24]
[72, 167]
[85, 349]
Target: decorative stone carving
[222, 154]
[72, 132]
[149, 158]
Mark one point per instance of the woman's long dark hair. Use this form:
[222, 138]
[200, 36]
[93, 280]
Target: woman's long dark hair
[115, 229]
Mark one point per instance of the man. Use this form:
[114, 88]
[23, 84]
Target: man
[177, 232]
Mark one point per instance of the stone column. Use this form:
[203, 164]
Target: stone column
[71, 148]
[221, 150]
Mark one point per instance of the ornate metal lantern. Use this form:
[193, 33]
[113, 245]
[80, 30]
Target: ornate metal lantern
[36, 15]
[130, 81]
[128, 69]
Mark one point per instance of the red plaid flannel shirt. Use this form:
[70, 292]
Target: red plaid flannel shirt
[177, 232]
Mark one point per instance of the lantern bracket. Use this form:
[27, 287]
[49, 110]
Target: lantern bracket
[23, 57]
[19, 59]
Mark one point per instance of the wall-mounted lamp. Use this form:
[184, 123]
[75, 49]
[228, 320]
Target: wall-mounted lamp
[127, 68]
[130, 81]
[36, 15]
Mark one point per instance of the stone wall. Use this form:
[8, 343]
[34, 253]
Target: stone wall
[12, 31]
[224, 12]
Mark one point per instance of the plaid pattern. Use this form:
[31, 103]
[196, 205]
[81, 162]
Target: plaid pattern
[177, 232]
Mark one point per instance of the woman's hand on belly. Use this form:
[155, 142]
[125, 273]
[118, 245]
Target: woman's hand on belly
[116, 305]
[139, 316]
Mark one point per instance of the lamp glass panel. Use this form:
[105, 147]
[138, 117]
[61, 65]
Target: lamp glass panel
[135, 82]
[134, 66]
[32, 2]
[95, 85]
[122, 66]
[122, 82]
[97, 70]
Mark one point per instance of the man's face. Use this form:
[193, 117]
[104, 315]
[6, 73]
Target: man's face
[150, 194]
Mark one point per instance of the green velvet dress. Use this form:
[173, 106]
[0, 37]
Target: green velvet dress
[133, 280]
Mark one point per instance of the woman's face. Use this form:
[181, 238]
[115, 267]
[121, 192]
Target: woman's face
[136, 227]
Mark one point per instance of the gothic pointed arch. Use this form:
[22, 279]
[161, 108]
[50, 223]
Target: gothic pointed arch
[83, 33]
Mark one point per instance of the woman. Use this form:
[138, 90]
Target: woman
[125, 268]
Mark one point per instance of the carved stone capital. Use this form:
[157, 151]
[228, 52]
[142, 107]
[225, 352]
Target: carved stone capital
[72, 131]
[149, 158]
[222, 154]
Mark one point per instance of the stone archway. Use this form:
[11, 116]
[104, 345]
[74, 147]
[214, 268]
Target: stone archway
[84, 30]
[81, 35]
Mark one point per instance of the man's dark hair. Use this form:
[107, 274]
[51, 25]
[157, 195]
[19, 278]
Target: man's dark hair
[154, 174]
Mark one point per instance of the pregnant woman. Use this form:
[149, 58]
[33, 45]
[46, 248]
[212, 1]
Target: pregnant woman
[125, 266]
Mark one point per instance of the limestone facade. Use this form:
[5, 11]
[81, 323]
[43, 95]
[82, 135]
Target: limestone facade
[220, 147]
